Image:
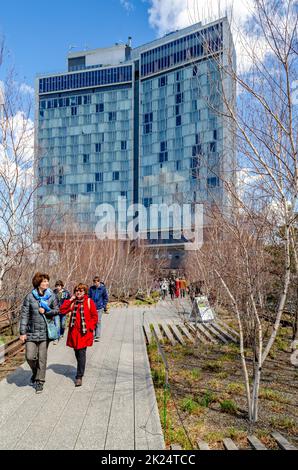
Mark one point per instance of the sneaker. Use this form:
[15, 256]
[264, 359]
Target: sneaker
[32, 380]
[78, 382]
[55, 342]
[39, 387]
[97, 339]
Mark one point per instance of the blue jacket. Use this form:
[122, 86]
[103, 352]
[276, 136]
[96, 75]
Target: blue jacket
[99, 295]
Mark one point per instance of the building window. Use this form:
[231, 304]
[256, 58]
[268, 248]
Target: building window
[195, 71]
[112, 116]
[123, 145]
[163, 146]
[163, 157]
[123, 194]
[86, 158]
[147, 201]
[73, 197]
[178, 120]
[162, 81]
[148, 117]
[116, 175]
[212, 146]
[179, 98]
[148, 128]
[99, 177]
[74, 111]
[212, 182]
[178, 165]
[98, 148]
[90, 187]
[100, 108]
[215, 134]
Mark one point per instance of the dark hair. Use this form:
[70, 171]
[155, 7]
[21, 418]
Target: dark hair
[38, 278]
[96, 278]
[81, 286]
[59, 283]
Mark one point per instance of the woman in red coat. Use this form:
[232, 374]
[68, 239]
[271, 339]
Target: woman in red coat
[82, 324]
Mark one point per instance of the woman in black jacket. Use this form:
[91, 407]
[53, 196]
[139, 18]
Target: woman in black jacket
[41, 302]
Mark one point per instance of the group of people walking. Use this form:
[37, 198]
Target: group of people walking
[176, 288]
[43, 307]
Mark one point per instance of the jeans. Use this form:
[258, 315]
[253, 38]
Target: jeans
[81, 360]
[36, 356]
[60, 321]
[98, 326]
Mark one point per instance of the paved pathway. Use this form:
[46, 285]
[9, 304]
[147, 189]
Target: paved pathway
[115, 409]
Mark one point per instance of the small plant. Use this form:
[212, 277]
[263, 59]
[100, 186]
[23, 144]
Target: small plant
[281, 344]
[213, 437]
[207, 399]
[284, 423]
[236, 434]
[235, 387]
[271, 395]
[189, 405]
[212, 366]
[228, 406]
[196, 374]
[159, 377]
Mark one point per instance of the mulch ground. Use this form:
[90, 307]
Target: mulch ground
[207, 398]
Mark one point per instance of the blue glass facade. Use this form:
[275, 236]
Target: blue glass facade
[150, 130]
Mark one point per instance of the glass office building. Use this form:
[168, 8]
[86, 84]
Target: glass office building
[145, 123]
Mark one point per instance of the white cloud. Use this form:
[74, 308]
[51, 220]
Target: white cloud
[26, 89]
[17, 149]
[169, 15]
[127, 5]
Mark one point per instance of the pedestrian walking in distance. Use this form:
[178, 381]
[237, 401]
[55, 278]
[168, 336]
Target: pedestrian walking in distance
[99, 294]
[62, 294]
[39, 305]
[82, 324]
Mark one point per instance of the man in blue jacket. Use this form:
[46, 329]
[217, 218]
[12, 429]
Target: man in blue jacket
[99, 294]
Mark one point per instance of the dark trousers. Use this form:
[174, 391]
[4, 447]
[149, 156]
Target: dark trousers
[81, 359]
[36, 356]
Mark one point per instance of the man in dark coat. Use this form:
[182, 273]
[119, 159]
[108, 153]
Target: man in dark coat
[99, 294]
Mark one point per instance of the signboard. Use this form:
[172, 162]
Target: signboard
[202, 311]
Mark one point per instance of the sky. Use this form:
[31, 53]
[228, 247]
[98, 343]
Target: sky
[38, 34]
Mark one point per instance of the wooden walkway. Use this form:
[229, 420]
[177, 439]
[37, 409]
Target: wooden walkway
[114, 409]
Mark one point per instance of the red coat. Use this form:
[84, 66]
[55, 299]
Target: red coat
[75, 338]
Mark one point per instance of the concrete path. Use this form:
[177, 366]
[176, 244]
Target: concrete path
[115, 409]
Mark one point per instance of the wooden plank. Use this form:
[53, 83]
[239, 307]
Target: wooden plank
[168, 333]
[283, 442]
[229, 444]
[184, 330]
[147, 332]
[216, 333]
[256, 443]
[206, 333]
[228, 328]
[202, 445]
[199, 335]
[157, 331]
[177, 334]
[176, 447]
[225, 333]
